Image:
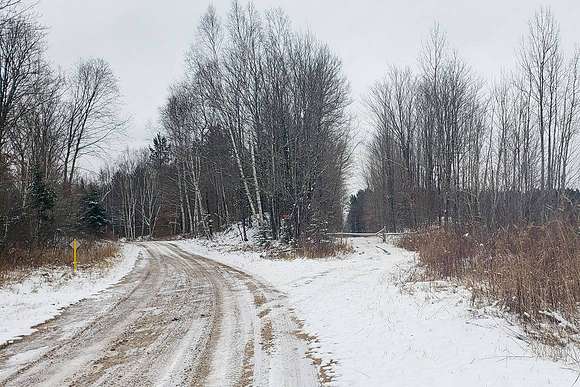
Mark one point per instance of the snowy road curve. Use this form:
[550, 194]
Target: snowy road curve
[178, 319]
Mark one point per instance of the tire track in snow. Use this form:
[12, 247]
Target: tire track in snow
[177, 319]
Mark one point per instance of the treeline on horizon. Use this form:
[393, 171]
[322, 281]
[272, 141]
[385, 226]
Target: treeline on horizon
[448, 149]
[258, 133]
[49, 121]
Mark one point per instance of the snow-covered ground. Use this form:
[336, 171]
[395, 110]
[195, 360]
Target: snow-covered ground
[45, 293]
[377, 333]
[380, 335]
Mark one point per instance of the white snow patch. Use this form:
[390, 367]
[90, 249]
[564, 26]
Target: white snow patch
[45, 293]
[382, 336]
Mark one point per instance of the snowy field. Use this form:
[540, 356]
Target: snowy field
[45, 293]
[381, 336]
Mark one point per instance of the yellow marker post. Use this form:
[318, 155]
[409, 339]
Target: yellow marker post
[74, 247]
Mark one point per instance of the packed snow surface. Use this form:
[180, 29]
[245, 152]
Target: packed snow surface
[45, 293]
[381, 335]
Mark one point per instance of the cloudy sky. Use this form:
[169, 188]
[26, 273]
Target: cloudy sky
[145, 40]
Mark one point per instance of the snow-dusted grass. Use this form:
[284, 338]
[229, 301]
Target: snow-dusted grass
[43, 294]
[532, 271]
[17, 263]
[382, 335]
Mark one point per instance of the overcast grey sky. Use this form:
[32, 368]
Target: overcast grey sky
[145, 40]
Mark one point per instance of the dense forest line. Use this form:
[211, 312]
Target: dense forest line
[258, 133]
[49, 122]
[447, 149]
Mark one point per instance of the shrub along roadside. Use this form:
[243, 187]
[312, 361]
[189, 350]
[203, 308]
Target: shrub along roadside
[533, 271]
[16, 261]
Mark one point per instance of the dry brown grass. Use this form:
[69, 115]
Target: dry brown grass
[533, 271]
[322, 250]
[16, 262]
[315, 251]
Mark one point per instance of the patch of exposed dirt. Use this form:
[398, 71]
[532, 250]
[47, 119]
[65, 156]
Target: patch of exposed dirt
[248, 366]
[326, 372]
[259, 299]
[267, 336]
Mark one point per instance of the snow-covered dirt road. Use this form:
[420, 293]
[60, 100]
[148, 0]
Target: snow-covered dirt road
[376, 329]
[221, 313]
[177, 319]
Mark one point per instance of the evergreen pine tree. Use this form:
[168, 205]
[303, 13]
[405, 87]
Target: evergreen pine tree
[264, 236]
[93, 215]
[42, 199]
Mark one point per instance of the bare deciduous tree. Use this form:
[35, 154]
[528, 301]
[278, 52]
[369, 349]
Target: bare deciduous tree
[500, 159]
[92, 112]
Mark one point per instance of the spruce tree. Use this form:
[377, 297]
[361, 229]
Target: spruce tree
[93, 215]
[42, 201]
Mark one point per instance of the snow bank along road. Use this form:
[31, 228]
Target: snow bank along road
[176, 319]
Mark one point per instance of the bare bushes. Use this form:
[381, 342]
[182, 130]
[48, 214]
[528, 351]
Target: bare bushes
[322, 250]
[444, 253]
[536, 270]
[533, 271]
[90, 254]
[325, 249]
